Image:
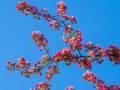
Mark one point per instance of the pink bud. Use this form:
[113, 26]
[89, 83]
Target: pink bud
[21, 73]
[8, 62]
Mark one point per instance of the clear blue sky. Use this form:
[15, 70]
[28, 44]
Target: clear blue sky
[99, 21]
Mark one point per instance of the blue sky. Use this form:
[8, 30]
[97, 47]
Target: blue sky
[99, 21]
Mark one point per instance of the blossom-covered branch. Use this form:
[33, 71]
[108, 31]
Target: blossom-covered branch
[92, 53]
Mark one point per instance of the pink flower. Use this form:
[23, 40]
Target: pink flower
[66, 51]
[31, 70]
[69, 88]
[37, 63]
[42, 86]
[113, 53]
[64, 17]
[114, 86]
[44, 58]
[67, 29]
[85, 63]
[102, 52]
[52, 23]
[75, 41]
[103, 87]
[21, 5]
[44, 10]
[72, 19]
[39, 39]
[89, 76]
[8, 62]
[61, 8]
[21, 61]
[64, 54]
[27, 64]
[87, 44]
[21, 73]
[91, 54]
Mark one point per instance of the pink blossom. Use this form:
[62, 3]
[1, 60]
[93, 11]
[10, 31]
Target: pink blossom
[44, 10]
[69, 88]
[31, 70]
[37, 63]
[89, 76]
[91, 54]
[113, 53]
[75, 41]
[42, 86]
[21, 5]
[61, 8]
[85, 63]
[44, 58]
[72, 19]
[52, 23]
[8, 62]
[67, 29]
[103, 52]
[64, 17]
[64, 54]
[39, 39]
[87, 44]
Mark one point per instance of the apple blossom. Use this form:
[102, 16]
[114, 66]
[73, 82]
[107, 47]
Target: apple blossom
[92, 52]
[69, 88]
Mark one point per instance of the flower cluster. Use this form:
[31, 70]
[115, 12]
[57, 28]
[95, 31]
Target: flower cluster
[64, 54]
[55, 24]
[113, 87]
[95, 52]
[85, 63]
[21, 6]
[113, 53]
[24, 67]
[71, 19]
[40, 40]
[27, 9]
[101, 52]
[105, 87]
[53, 70]
[22, 63]
[61, 8]
[36, 69]
[42, 86]
[75, 41]
[100, 84]
[89, 76]
[68, 29]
